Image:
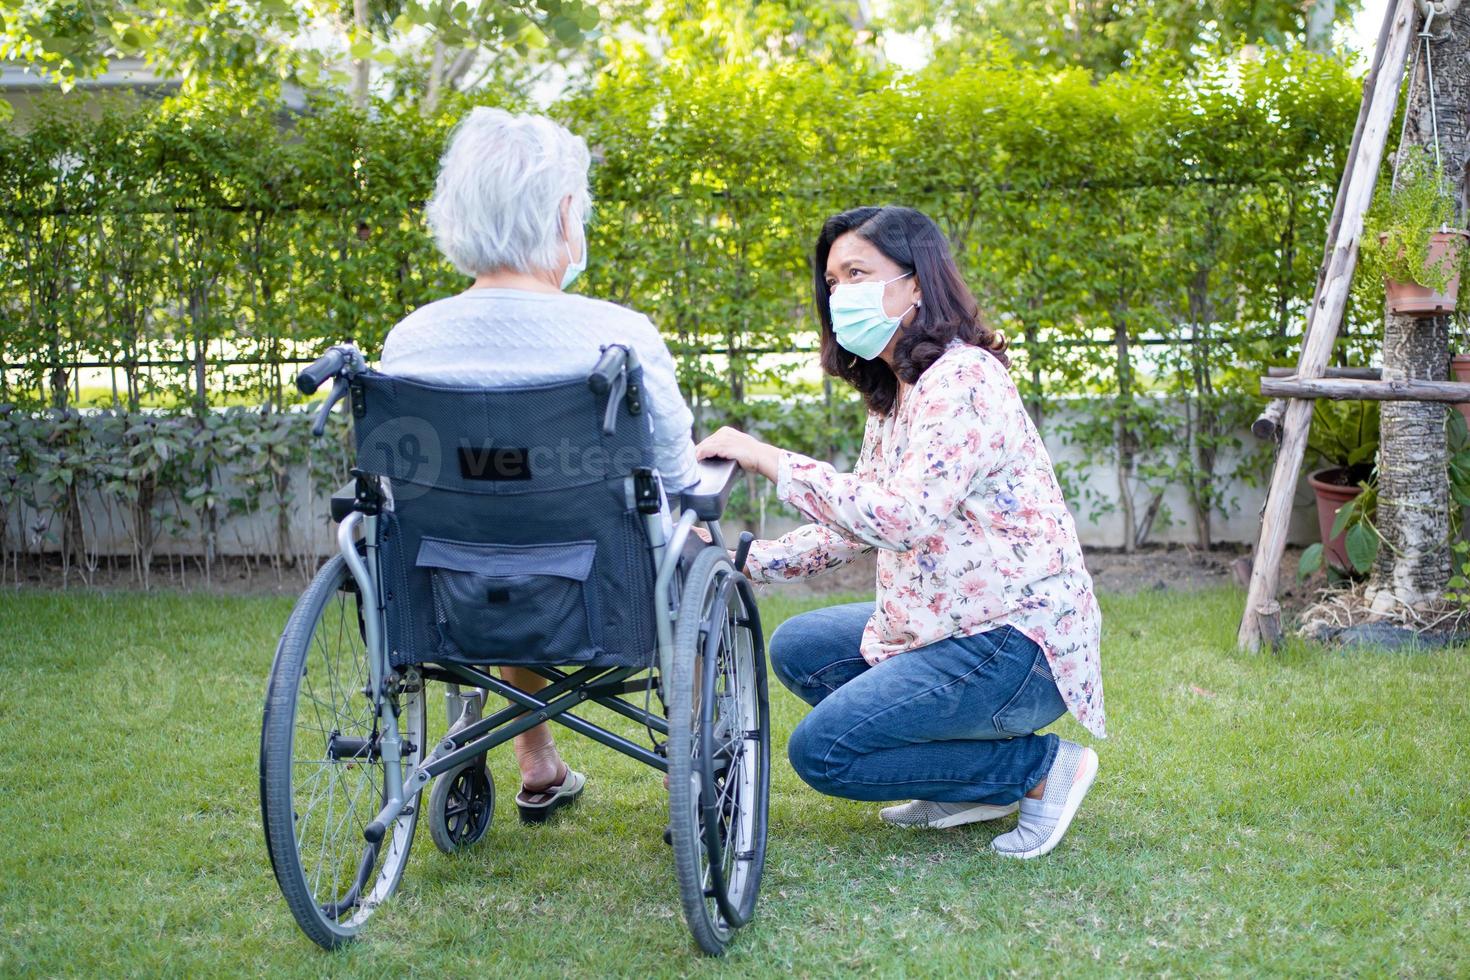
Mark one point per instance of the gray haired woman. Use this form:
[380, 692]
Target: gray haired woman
[509, 210]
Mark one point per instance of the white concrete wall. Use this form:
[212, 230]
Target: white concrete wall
[1240, 525]
[108, 528]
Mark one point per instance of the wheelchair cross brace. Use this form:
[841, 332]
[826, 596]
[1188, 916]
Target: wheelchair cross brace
[601, 685]
[526, 711]
[597, 684]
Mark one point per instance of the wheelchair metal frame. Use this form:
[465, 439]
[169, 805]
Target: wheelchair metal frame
[601, 685]
[710, 732]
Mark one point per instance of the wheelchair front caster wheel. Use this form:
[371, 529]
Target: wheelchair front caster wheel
[461, 806]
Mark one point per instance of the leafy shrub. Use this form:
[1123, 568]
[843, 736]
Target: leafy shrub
[1142, 238]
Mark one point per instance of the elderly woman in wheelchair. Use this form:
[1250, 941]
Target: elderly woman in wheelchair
[520, 457]
[509, 209]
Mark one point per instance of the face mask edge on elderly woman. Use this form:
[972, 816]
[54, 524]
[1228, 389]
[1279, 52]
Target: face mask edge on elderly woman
[575, 266]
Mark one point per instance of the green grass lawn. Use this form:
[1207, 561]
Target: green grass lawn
[1303, 814]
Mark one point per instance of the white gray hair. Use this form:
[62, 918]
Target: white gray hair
[497, 201]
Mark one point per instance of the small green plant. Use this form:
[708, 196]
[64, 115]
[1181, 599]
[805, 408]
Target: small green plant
[1459, 589]
[1363, 540]
[1344, 435]
[1457, 439]
[1397, 230]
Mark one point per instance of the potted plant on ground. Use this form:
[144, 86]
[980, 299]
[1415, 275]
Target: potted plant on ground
[1352, 540]
[1344, 442]
[1460, 363]
[1411, 239]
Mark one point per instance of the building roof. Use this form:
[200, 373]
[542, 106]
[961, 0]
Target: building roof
[122, 73]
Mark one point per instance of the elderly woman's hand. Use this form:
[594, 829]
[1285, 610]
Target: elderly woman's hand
[749, 452]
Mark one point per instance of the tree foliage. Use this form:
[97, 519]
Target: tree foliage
[1148, 241]
[309, 41]
[1106, 36]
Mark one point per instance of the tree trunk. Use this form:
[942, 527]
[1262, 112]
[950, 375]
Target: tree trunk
[1206, 423]
[1413, 491]
[1125, 441]
[436, 79]
[1034, 405]
[1320, 17]
[361, 67]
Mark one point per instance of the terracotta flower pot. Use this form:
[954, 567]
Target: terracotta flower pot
[1334, 487]
[1412, 299]
[1460, 371]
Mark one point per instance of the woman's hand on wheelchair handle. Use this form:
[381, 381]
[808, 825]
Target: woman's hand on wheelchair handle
[750, 453]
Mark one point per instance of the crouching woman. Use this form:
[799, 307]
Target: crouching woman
[984, 628]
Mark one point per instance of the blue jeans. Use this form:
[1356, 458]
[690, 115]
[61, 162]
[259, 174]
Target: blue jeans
[954, 721]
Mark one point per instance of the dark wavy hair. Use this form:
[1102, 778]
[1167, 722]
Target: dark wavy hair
[915, 244]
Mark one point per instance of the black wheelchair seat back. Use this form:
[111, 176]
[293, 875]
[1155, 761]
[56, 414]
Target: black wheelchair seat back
[513, 535]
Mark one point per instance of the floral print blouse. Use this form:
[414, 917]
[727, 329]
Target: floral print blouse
[957, 492]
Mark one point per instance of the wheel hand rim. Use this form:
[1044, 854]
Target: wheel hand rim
[726, 843]
[335, 795]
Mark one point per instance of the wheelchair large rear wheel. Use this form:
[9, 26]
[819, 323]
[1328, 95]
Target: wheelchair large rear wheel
[321, 773]
[719, 751]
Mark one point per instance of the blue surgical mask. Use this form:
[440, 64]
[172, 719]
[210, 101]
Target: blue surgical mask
[859, 321]
[574, 266]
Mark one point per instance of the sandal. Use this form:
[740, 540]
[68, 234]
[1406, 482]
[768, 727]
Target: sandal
[537, 806]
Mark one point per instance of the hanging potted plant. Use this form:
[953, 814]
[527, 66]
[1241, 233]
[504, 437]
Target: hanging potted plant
[1344, 440]
[1412, 241]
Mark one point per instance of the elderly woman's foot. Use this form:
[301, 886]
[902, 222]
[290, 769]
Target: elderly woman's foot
[537, 803]
[1045, 821]
[547, 783]
[540, 764]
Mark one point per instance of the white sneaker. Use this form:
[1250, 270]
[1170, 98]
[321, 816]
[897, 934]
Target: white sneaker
[937, 816]
[1045, 821]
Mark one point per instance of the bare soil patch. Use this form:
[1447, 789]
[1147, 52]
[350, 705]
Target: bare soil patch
[229, 575]
[1159, 568]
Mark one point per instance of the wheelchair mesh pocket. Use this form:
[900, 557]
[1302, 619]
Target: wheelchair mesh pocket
[513, 604]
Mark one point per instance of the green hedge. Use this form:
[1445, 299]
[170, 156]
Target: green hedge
[1146, 235]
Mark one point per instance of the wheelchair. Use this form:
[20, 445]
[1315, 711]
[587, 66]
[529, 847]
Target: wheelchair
[520, 526]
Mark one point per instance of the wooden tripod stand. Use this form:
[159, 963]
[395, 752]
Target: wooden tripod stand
[1289, 420]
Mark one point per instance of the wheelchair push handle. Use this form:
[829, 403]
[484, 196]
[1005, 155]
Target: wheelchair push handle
[607, 369]
[339, 391]
[337, 363]
[742, 550]
[329, 365]
[611, 364]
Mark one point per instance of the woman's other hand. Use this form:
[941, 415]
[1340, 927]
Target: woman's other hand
[750, 453]
[705, 536]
